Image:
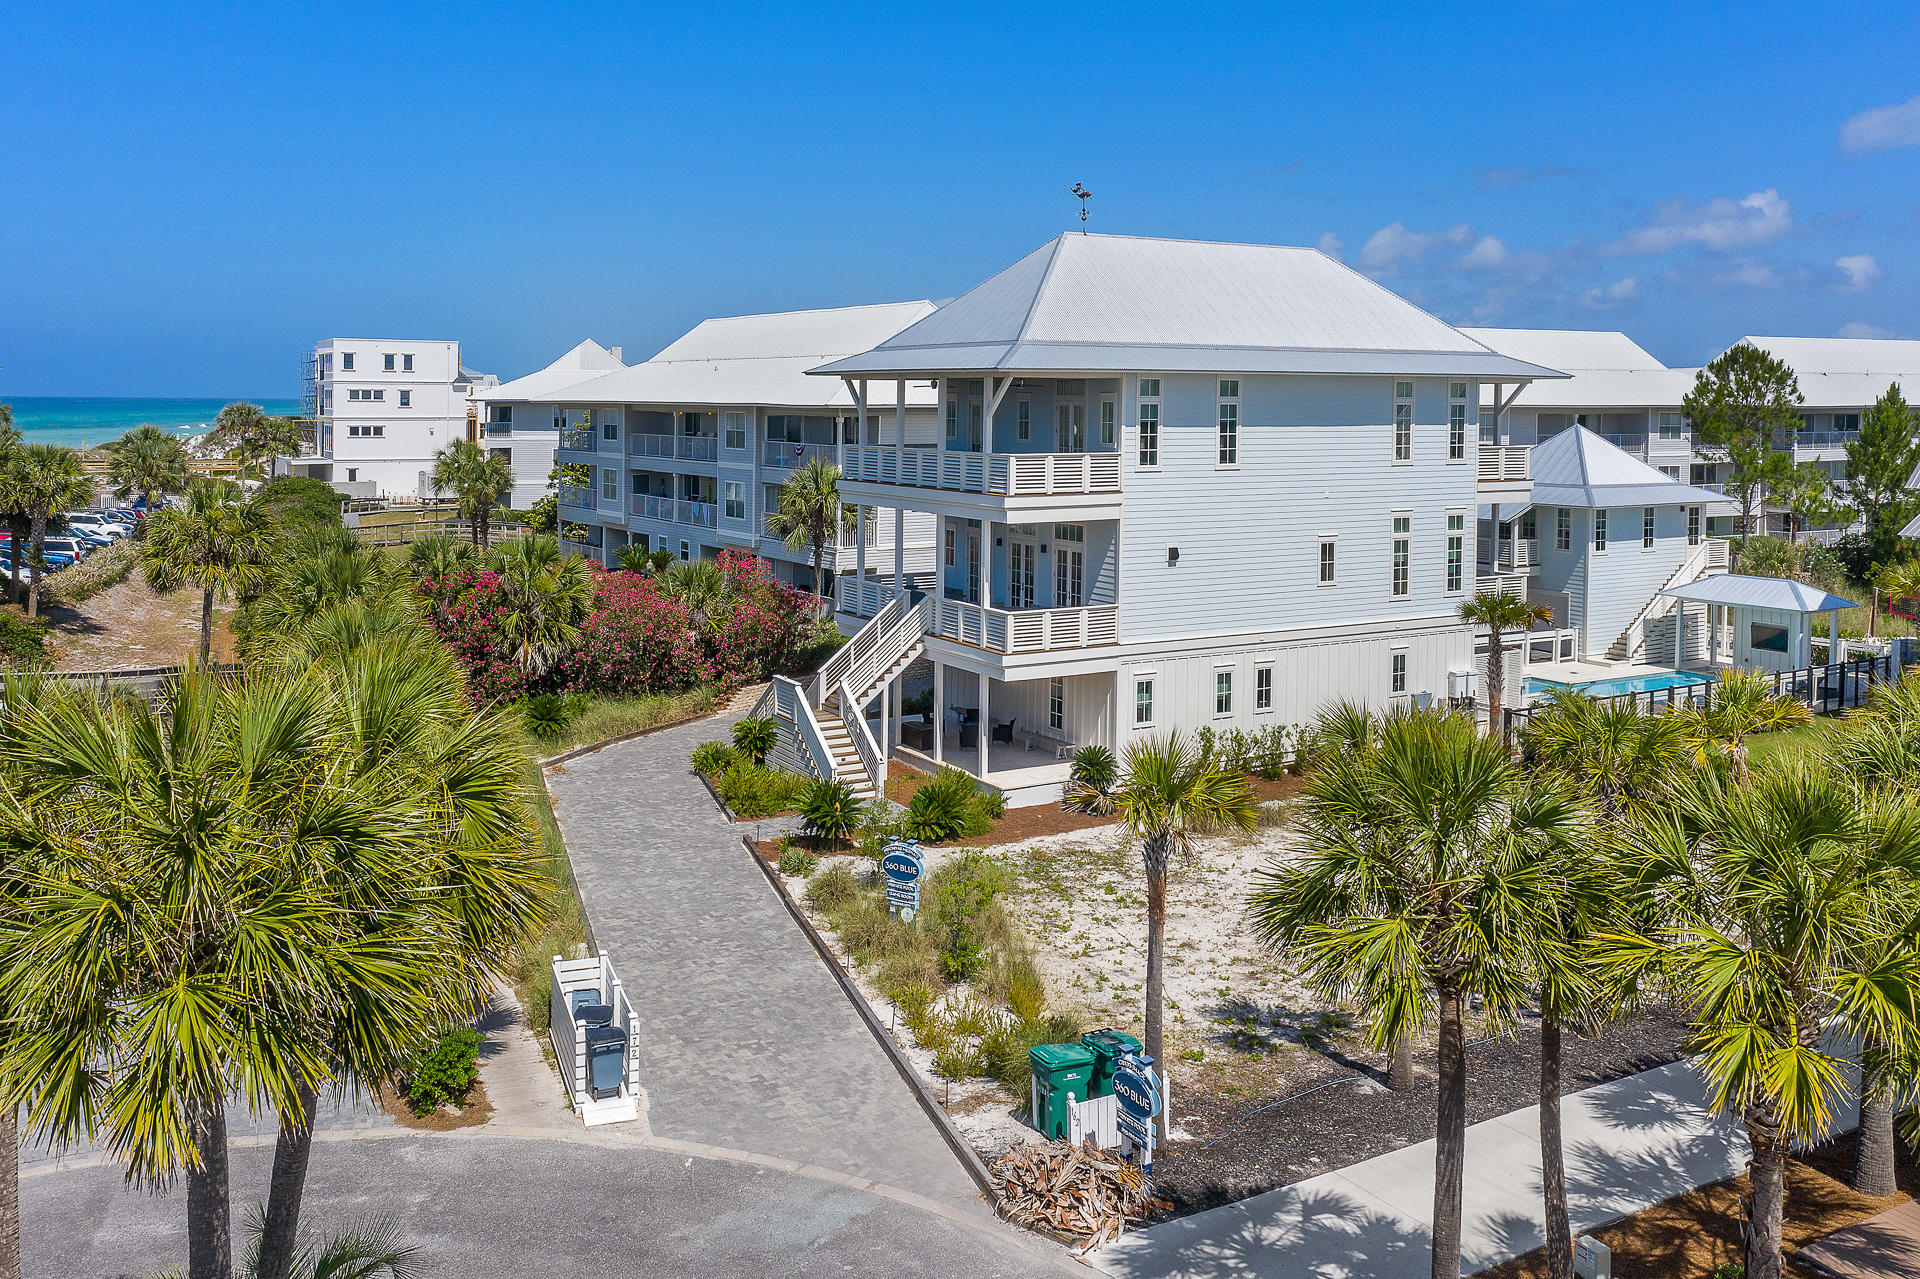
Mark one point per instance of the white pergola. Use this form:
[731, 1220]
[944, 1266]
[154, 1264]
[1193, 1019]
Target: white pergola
[1764, 599]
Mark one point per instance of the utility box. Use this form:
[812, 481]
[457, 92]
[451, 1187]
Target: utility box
[1107, 1046]
[1061, 1073]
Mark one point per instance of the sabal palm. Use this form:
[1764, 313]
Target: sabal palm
[1783, 920]
[1617, 757]
[12, 514]
[477, 478]
[699, 584]
[42, 479]
[250, 431]
[1500, 612]
[546, 597]
[1167, 793]
[1427, 875]
[810, 516]
[146, 461]
[326, 568]
[218, 542]
[1740, 704]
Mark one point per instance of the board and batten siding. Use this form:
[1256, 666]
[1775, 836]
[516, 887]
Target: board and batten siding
[1087, 703]
[1315, 460]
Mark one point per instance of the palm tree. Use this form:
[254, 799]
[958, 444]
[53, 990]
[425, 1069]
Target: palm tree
[324, 568]
[1617, 757]
[1742, 703]
[247, 429]
[1426, 877]
[42, 479]
[1499, 614]
[1783, 924]
[439, 554]
[219, 542]
[810, 515]
[699, 584]
[478, 478]
[11, 512]
[546, 599]
[146, 461]
[1168, 792]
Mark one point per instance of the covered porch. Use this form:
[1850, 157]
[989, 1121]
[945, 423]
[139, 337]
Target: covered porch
[1741, 622]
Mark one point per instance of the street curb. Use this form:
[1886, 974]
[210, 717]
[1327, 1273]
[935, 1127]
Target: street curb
[968, 1156]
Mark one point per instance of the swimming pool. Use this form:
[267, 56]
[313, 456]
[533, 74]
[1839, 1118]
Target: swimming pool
[1623, 684]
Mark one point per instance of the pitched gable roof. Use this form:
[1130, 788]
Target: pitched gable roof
[576, 366]
[1578, 468]
[1106, 303]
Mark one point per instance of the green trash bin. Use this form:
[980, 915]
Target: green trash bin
[1107, 1047]
[1060, 1075]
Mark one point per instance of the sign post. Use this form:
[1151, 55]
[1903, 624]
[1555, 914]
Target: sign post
[1137, 1090]
[903, 867]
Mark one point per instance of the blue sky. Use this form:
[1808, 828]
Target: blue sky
[191, 195]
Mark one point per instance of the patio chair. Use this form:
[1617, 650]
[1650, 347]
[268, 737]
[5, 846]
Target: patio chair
[1004, 732]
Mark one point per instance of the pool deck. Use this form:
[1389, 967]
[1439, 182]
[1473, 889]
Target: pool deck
[1588, 672]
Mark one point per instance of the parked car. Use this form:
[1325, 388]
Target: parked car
[92, 539]
[73, 548]
[97, 521]
[127, 516]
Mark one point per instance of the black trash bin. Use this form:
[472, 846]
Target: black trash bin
[585, 995]
[606, 1061]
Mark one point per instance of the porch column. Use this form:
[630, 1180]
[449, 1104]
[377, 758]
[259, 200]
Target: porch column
[859, 544]
[1833, 637]
[985, 736]
[1679, 634]
[939, 712]
[887, 696]
[899, 708]
[899, 512]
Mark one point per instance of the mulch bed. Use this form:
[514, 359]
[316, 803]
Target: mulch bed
[476, 1112]
[1347, 1122]
[1690, 1234]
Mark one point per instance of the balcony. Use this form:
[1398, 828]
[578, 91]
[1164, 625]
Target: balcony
[653, 508]
[685, 448]
[788, 456]
[991, 474]
[674, 511]
[578, 439]
[1032, 630]
[698, 514]
[1515, 556]
[1504, 472]
[1485, 583]
[579, 495]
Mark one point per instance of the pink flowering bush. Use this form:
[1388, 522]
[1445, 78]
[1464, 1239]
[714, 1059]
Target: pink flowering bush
[635, 641]
[760, 627]
[464, 609]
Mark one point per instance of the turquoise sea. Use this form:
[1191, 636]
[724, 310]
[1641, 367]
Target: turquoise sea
[82, 421]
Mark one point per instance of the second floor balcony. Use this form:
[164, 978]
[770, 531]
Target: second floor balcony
[1504, 472]
[685, 448]
[785, 455]
[990, 474]
[675, 510]
[579, 439]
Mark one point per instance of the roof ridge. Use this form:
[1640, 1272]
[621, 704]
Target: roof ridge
[1053, 260]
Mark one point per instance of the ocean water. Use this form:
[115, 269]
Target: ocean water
[83, 421]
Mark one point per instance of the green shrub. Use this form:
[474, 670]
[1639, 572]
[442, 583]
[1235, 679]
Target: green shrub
[445, 1072]
[297, 503]
[832, 889]
[880, 823]
[23, 644]
[752, 791]
[829, 809]
[956, 1059]
[951, 806]
[547, 715]
[961, 900]
[798, 861]
[1731, 1269]
[754, 738]
[1094, 766]
[711, 758]
[1025, 996]
[1004, 1050]
[915, 1001]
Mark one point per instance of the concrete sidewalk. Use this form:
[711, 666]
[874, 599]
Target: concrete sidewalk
[1629, 1144]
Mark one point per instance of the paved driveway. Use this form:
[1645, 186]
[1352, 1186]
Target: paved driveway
[747, 1042]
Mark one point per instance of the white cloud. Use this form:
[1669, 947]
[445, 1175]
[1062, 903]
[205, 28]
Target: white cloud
[1486, 254]
[1623, 290]
[1720, 224]
[1393, 246]
[1883, 128]
[1860, 269]
[1748, 275]
[1333, 246]
[1861, 329]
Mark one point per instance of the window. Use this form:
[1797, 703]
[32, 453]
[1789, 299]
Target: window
[610, 430]
[1329, 552]
[1769, 639]
[406, 399]
[1693, 526]
[1107, 410]
[735, 425]
[1402, 554]
[1229, 422]
[609, 484]
[505, 455]
[1669, 426]
[1143, 701]
[389, 364]
[685, 551]
[1456, 553]
[367, 432]
[1223, 692]
[1263, 688]
[785, 428]
[953, 419]
[950, 545]
[378, 395]
[1529, 528]
[1397, 668]
[736, 500]
[1456, 421]
[1069, 565]
[1846, 421]
[1057, 705]
[1149, 421]
[1403, 421]
[1600, 529]
[1563, 530]
[1023, 425]
[1671, 472]
[406, 364]
[1646, 529]
[346, 361]
[503, 414]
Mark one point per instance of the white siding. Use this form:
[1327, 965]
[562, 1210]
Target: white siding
[1623, 580]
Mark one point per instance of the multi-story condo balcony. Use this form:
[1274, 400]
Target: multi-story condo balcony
[684, 448]
[786, 456]
[578, 439]
[1504, 473]
[997, 474]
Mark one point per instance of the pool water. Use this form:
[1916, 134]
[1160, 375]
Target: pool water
[1624, 684]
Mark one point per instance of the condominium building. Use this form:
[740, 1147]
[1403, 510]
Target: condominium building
[519, 422]
[687, 451]
[376, 410]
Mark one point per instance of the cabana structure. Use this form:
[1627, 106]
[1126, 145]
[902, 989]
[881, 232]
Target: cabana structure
[1759, 622]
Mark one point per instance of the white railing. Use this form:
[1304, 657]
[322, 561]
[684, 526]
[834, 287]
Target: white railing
[698, 514]
[863, 597]
[1504, 463]
[1500, 584]
[837, 666]
[1517, 554]
[1700, 558]
[895, 635]
[1551, 646]
[576, 495]
[1719, 552]
[569, 1037]
[872, 758]
[1824, 439]
[1034, 630]
[578, 439]
[687, 448]
[788, 455]
[790, 703]
[995, 474]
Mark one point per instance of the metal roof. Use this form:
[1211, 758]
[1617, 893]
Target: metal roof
[1758, 592]
[1567, 349]
[1913, 525]
[1103, 303]
[1578, 468]
[1605, 370]
[1846, 373]
[759, 360]
[582, 362]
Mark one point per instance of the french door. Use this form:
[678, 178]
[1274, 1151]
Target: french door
[1023, 556]
[1069, 563]
[1070, 428]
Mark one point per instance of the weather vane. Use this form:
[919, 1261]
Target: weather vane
[1084, 196]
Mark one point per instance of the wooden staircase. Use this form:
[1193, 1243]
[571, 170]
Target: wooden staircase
[846, 763]
[1709, 557]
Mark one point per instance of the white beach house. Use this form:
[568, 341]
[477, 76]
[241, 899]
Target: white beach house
[378, 409]
[687, 451]
[520, 421]
[1175, 485]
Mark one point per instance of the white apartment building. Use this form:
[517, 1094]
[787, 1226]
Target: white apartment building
[686, 452]
[1176, 485]
[378, 409]
[519, 422]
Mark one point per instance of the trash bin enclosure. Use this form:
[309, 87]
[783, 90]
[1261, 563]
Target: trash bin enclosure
[1061, 1073]
[594, 1040]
